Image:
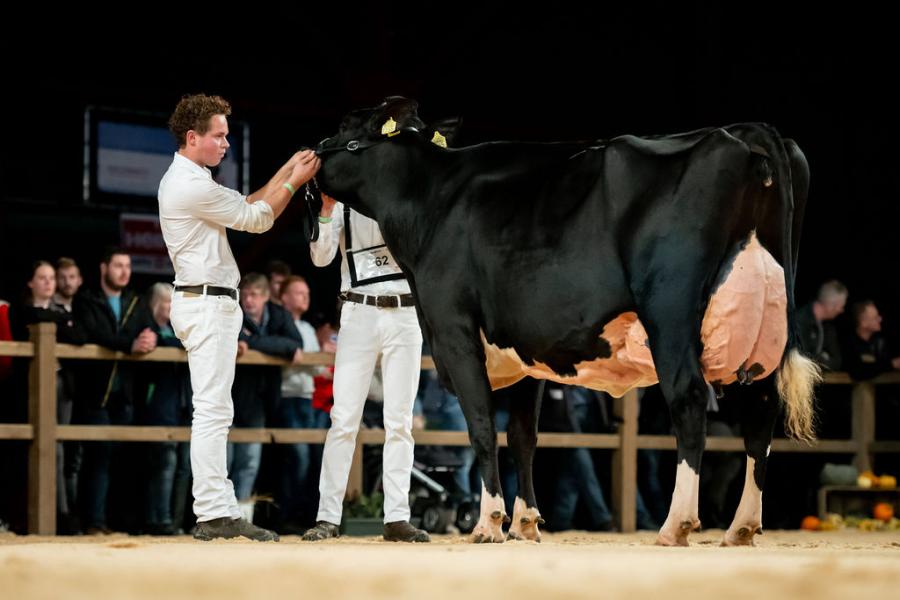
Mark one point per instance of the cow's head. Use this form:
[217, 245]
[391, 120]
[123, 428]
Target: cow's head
[347, 166]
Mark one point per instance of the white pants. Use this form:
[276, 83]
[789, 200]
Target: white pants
[366, 332]
[208, 326]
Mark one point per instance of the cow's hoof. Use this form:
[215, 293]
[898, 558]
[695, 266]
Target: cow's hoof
[677, 536]
[742, 536]
[526, 528]
[525, 522]
[490, 530]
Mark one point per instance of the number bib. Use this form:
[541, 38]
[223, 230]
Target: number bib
[371, 265]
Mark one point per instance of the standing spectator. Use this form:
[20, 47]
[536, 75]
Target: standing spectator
[68, 282]
[104, 389]
[38, 306]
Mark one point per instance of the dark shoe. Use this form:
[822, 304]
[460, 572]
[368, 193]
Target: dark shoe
[402, 531]
[322, 531]
[68, 524]
[229, 528]
[162, 529]
[98, 530]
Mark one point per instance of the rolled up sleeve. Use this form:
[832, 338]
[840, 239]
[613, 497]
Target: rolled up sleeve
[230, 208]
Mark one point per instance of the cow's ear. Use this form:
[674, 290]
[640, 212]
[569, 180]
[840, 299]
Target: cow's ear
[443, 132]
[397, 112]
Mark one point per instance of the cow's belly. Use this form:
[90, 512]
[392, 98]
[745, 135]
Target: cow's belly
[745, 326]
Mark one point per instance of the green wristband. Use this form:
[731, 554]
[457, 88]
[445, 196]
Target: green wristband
[289, 188]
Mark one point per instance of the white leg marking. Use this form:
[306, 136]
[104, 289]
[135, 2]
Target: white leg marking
[525, 522]
[490, 523]
[748, 518]
[683, 512]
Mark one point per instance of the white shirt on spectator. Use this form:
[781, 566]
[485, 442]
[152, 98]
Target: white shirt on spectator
[298, 382]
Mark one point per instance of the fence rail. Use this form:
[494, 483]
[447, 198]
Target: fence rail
[43, 432]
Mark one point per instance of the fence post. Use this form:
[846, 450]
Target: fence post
[863, 423]
[624, 480]
[42, 416]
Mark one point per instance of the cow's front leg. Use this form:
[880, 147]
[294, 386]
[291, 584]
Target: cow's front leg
[522, 436]
[465, 368]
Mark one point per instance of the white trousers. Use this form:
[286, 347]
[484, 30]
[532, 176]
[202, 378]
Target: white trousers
[208, 326]
[366, 332]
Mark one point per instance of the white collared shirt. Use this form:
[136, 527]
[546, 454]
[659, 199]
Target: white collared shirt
[194, 211]
[365, 234]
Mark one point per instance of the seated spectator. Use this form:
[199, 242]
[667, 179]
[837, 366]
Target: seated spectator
[818, 336]
[866, 353]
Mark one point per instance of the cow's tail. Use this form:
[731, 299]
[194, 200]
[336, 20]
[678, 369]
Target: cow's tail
[797, 376]
[796, 380]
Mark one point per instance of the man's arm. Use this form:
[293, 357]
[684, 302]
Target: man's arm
[324, 249]
[295, 172]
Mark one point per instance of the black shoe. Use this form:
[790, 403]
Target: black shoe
[98, 530]
[227, 528]
[402, 531]
[162, 529]
[322, 531]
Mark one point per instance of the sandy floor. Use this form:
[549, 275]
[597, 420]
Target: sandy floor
[572, 565]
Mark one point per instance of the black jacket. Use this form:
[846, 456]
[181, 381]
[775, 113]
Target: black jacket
[163, 389]
[866, 360]
[96, 323]
[819, 344]
[20, 317]
[257, 388]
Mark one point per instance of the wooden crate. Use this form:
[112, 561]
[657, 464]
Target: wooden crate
[852, 500]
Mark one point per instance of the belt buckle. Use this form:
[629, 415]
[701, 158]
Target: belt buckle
[388, 302]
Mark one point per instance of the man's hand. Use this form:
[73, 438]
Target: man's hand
[896, 362]
[145, 342]
[242, 347]
[298, 357]
[305, 166]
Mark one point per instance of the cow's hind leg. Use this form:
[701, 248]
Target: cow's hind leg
[522, 436]
[675, 347]
[759, 410]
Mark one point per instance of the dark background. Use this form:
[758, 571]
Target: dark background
[826, 78]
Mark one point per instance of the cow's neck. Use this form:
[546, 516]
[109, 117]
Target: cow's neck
[400, 193]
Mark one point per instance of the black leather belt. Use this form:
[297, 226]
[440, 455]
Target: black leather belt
[209, 290]
[379, 301]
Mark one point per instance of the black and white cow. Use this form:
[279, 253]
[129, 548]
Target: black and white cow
[611, 265]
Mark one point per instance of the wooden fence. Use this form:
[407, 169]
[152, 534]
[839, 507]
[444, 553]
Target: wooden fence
[43, 431]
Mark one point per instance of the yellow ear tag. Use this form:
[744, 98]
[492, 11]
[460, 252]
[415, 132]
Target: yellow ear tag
[439, 140]
[389, 128]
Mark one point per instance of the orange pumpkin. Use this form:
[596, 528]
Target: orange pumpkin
[883, 511]
[811, 523]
